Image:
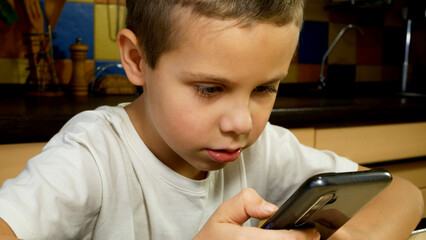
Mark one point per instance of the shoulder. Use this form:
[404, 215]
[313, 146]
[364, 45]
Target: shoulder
[100, 117]
[90, 135]
[103, 122]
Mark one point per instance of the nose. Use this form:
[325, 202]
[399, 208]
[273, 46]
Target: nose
[237, 119]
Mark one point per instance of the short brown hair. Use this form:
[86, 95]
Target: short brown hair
[152, 20]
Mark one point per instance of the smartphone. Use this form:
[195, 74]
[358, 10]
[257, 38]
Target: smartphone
[327, 201]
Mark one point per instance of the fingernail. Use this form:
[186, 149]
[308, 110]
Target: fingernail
[269, 207]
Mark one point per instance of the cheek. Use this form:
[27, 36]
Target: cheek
[184, 122]
[260, 119]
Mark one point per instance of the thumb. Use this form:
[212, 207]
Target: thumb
[243, 206]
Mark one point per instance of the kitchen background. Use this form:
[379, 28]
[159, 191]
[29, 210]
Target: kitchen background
[390, 130]
[374, 56]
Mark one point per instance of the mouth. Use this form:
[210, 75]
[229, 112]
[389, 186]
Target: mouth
[225, 155]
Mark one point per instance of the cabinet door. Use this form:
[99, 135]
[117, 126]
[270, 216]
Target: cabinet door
[368, 144]
[306, 136]
[14, 157]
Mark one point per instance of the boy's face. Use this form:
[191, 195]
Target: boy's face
[212, 96]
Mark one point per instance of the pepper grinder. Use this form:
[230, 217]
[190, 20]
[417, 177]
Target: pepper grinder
[78, 56]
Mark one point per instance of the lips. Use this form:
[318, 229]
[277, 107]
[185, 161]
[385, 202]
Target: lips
[224, 156]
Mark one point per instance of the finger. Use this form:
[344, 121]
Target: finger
[310, 233]
[243, 206]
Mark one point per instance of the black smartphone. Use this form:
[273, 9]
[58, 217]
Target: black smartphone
[327, 201]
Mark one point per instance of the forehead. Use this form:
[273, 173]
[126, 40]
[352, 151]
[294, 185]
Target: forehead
[225, 48]
[189, 26]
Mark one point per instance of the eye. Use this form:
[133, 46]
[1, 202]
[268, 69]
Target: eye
[207, 90]
[263, 90]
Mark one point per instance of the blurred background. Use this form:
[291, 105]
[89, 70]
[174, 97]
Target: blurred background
[376, 55]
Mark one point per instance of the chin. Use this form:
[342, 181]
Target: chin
[211, 167]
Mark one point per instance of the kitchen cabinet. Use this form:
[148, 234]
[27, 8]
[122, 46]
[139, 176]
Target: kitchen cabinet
[14, 157]
[305, 136]
[377, 143]
[399, 148]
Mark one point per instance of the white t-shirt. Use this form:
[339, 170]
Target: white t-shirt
[96, 179]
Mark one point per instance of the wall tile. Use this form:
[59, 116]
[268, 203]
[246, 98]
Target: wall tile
[391, 73]
[393, 46]
[342, 17]
[418, 44]
[393, 15]
[313, 42]
[368, 73]
[81, 1]
[308, 73]
[340, 77]
[13, 70]
[314, 11]
[417, 78]
[341, 72]
[370, 17]
[345, 50]
[369, 55]
[295, 58]
[122, 2]
[76, 21]
[292, 74]
[369, 46]
[105, 31]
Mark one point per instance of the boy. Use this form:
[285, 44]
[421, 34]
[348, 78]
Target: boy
[193, 156]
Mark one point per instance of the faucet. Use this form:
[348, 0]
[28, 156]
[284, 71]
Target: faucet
[324, 58]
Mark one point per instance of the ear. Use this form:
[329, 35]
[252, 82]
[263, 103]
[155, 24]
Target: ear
[131, 56]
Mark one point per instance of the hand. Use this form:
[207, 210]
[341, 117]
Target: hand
[227, 221]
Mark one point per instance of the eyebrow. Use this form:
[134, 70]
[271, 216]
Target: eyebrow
[222, 80]
[205, 77]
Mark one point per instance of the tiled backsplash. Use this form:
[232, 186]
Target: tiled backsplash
[376, 55]
[95, 21]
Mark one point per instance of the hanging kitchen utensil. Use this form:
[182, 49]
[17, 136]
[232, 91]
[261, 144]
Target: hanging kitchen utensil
[42, 79]
[35, 15]
[52, 11]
